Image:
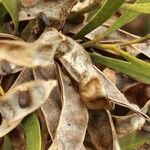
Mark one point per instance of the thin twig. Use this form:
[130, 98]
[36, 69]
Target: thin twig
[116, 48]
[139, 40]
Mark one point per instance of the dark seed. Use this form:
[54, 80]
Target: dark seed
[45, 73]
[5, 66]
[45, 19]
[0, 118]
[24, 99]
[76, 20]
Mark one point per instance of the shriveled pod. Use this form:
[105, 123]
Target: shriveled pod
[52, 107]
[22, 100]
[77, 61]
[34, 54]
[92, 82]
[5, 66]
[115, 96]
[26, 75]
[74, 57]
[130, 123]
[8, 68]
[56, 11]
[73, 120]
[93, 85]
[101, 133]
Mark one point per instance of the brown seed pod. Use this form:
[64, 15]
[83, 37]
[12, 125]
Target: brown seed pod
[11, 109]
[28, 3]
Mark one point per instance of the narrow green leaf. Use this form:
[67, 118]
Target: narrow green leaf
[3, 11]
[7, 144]
[106, 11]
[127, 17]
[3, 29]
[134, 140]
[145, 66]
[140, 8]
[12, 7]
[122, 66]
[32, 132]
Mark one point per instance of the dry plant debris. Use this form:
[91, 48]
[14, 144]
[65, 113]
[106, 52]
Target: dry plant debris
[75, 102]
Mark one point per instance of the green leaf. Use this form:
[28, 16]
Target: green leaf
[3, 11]
[134, 140]
[12, 7]
[140, 8]
[145, 66]
[32, 132]
[3, 29]
[106, 11]
[122, 66]
[127, 17]
[7, 144]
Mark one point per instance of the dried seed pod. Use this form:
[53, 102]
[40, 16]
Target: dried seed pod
[8, 68]
[101, 134]
[77, 61]
[115, 96]
[10, 109]
[93, 85]
[55, 10]
[73, 120]
[25, 76]
[30, 54]
[5, 66]
[28, 3]
[51, 116]
[130, 123]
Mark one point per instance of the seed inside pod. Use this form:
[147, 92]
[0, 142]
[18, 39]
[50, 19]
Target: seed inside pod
[0, 118]
[24, 99]
[5, 66]
[45, 73]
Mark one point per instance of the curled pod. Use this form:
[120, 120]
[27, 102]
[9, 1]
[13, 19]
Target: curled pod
[21, 101]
